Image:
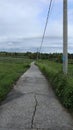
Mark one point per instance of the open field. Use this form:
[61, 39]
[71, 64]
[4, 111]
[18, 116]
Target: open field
[10, 71]
[62, 84]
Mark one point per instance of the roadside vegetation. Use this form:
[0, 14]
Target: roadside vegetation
[12, 65]
[11, 69]
[62, 84]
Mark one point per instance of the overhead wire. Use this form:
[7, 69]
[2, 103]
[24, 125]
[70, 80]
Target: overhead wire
[50, 5]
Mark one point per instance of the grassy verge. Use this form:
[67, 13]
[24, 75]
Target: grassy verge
[10, 70]
[62, 84]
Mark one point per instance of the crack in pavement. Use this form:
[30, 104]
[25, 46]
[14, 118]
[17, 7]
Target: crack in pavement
[34, 112]
[33, 108]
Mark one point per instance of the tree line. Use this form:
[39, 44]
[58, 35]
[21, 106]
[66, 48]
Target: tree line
[58, 57]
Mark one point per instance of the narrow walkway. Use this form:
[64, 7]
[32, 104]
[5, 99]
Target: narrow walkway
[33, 105]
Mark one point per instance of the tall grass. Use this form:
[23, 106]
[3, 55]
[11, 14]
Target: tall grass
[10, 71]
[62, 84]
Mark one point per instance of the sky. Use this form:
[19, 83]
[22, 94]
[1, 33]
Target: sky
[26, 19]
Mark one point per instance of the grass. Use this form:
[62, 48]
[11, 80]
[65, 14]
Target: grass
[62, 84]
[10, 70]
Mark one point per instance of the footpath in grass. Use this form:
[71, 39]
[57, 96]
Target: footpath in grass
[62, 84]
[10, 70]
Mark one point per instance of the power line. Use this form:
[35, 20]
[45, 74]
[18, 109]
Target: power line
[46, 24]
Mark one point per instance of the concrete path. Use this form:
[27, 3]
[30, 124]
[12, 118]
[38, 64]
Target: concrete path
[32, 105]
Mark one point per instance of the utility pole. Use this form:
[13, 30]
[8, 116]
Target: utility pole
[37, 54]
[65, 38]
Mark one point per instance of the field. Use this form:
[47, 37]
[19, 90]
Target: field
[10, 71]
[62, 84]
[12, 68]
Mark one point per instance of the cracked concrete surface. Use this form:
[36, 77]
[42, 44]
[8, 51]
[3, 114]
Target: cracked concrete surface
[34, 112]
[32, 105]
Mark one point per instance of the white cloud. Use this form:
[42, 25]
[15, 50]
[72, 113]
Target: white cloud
[19, 17]
[26, 18]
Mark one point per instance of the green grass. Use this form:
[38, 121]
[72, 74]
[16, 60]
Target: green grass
[10, 70]
[62, 84]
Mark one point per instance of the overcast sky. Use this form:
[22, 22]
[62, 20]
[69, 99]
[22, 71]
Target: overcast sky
[26, 19]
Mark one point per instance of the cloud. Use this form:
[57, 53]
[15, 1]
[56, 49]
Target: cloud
[19, 18]
[26, 18]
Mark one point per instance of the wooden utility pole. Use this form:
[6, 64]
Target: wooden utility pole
[65, 38]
